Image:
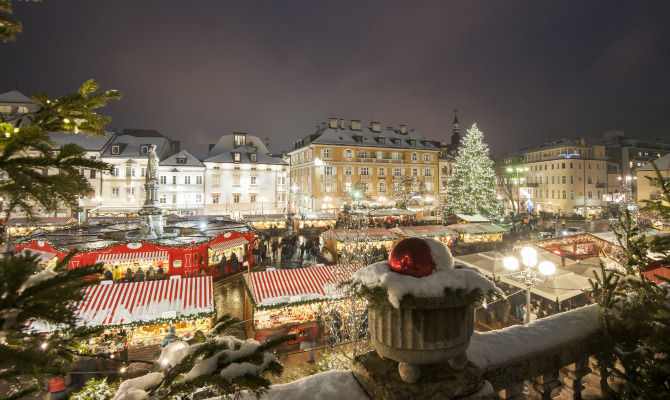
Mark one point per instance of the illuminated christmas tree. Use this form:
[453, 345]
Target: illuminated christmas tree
[471, 187]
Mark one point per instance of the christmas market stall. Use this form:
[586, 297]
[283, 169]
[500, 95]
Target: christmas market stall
[262, 222]
[478, 236]
[18, 227]
[142, 313]
[200, 247]
[280, 302]
[437, 232]
[467, 219]
[318, 220]
[367, 239]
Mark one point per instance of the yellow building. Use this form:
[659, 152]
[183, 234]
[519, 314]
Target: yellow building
[645, 190]
[346, 163]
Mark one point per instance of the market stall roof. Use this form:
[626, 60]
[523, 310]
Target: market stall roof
[356, 235]
[263, 217]
[472, 218]
[124, 303]
[49, 221]
[477, 228]
[42, 256]
[423, 231]
[229, 244]
[390, 212]
[319, 216]
[132, 256]
[269, 288]
[563, 285]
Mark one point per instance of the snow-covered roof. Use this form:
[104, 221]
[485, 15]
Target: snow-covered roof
[662, 163]
[423, 231]
[14, 96]
[356, 235]
[472, 228]
[189, 160]
[473, 218]
[245, 157]
[268, 288]
[129, 145]
[86, 142]
[366, 137]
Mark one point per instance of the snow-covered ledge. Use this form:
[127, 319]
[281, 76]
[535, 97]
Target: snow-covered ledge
[539, 352]
[536, 353]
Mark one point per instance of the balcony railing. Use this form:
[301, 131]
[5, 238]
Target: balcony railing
[601, 185]
[530, 184]
[380, 160]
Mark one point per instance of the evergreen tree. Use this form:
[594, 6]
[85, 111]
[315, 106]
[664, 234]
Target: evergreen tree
[635, 311]
[471, 186]
[26, 152]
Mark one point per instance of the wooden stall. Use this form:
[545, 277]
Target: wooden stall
[366, 239]
[262, 222]
[18, 227]
[280, 302]
[437, 232]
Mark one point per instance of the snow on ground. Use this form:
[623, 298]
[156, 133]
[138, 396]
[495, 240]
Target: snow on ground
[495, 347]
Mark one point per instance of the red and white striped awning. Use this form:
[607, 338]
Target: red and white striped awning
[130, 257]
[300, 284]
[123, 303]
[229, 244]
[42, 256]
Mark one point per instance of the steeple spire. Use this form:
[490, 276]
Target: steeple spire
[455, 127]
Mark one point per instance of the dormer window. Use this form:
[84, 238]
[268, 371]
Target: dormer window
[395, 141]
[181, 160]
[381, 140]
[412, 142]
[116, 149]
[254, 157]
[144, 149]
[237, 157]
[240, 139]
[357, 138]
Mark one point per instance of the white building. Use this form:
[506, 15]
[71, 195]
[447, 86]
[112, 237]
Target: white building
[182, 184]
[242, 177]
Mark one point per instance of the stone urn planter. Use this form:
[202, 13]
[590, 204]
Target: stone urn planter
[423, 330]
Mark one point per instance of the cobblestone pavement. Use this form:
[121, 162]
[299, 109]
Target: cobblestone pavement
[229, 299]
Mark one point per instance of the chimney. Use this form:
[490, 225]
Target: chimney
[342, 126]
[375, 126]
[332, 123]
[403, 129]
[267, 142]
[355, 125]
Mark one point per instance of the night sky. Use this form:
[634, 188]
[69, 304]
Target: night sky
[526, 71]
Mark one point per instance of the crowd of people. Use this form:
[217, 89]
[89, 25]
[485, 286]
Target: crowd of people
[117, 276]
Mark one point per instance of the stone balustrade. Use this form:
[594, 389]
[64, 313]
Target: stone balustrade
[551, 355]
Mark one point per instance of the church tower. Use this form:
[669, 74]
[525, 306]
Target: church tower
[455, 135]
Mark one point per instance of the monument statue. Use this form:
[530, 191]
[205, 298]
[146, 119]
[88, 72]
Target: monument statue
[152, 165]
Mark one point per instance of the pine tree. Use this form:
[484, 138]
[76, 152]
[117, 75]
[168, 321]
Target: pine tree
[635, 312]
[26, 152]
[471, 186]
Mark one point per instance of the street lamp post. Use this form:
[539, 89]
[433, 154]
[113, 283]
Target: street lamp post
[528, 276]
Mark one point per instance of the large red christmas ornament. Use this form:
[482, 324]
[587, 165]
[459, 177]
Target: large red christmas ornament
[412, 256]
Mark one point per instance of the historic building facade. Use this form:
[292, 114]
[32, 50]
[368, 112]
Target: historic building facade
[347, 163]
[242, 177]
[564, 177]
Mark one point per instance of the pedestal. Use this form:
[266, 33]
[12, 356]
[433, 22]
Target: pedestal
[381, 380]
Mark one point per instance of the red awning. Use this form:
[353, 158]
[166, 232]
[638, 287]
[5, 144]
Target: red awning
[228, 244]
[130, 257]
[123, 303]
[42, 256]
[274, 287]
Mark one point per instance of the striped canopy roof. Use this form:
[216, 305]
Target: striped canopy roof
[269, 288]
[228, 244]
[123, 303]
[42, 256]
[134, 256]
